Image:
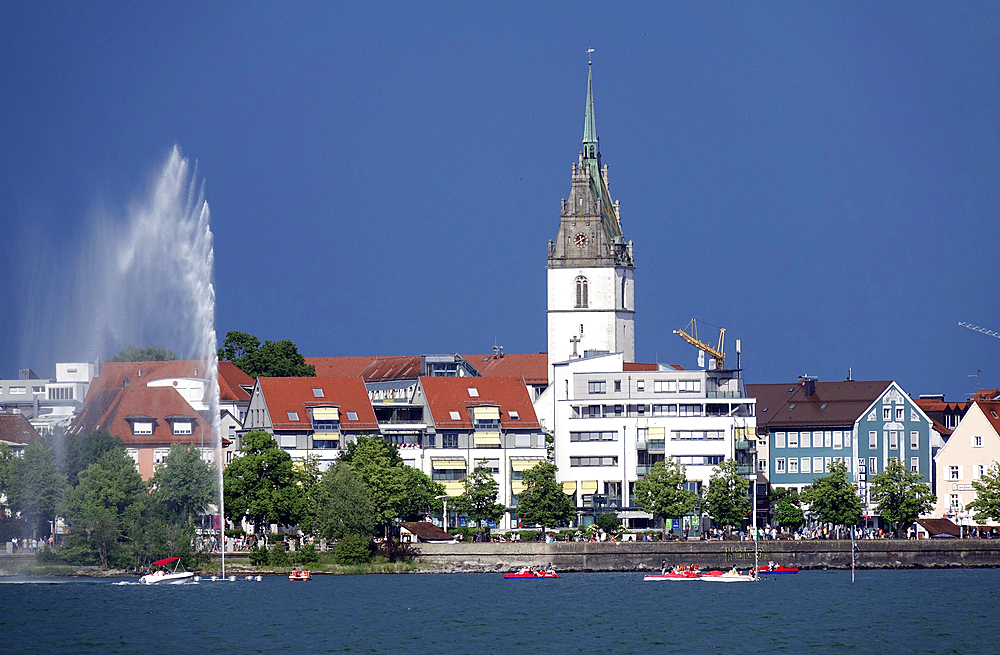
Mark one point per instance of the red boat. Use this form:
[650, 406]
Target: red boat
[773, 570]
[528, 573]
[655, 577]
[299, 576]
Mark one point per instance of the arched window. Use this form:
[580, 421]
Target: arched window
[581, 292]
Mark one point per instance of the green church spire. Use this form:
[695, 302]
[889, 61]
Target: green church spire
[589, 128]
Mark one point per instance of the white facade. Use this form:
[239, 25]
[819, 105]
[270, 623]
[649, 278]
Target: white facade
[971, 450]
[612, 425]
[602, 321]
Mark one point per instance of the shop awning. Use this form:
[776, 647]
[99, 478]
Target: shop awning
[486, 438]
[326, 413]
[442, 464]
[486, 413]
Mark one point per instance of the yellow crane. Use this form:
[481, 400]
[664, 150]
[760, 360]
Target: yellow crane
[690, 334]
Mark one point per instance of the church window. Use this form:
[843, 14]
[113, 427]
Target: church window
[581, 292]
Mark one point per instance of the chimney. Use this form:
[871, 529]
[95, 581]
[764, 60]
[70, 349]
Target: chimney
[809, 382]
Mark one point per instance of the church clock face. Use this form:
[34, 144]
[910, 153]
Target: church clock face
[581, 240]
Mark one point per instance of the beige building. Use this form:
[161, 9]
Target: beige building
[972, 449]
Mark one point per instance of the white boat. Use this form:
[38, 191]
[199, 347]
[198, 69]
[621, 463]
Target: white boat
[167, 577]
[729, 576]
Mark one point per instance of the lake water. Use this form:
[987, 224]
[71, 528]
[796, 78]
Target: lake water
[912, 611]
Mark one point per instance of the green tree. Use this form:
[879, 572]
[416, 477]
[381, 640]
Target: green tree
[184, 483]
[273, 359]
[260, 485]
[609, 522]
[310, 476]
[97, 505]
[899, 495]
[131, 353]
[345, 504]
[786, 507]
[662, 491]
[543, 502]
[726, 500]
[84, 450]
[987, 502]
[479, 501]
[833, 498]
[397, 491]
[36, 487]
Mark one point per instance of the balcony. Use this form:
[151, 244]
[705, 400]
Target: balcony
[747, 445]
[657, 446]
[744, 470]
[642, 470]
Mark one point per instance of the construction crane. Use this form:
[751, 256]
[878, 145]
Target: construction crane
[690, 334]
[991, 333]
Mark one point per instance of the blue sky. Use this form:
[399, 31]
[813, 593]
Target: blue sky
[819, 178]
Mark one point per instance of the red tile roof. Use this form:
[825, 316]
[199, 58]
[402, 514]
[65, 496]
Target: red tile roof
[445, 395]
[156, 403]
[401, 367]
[832, 403]
[284, 395]
[230, 379]
[15, 429]
[533, 367]
[991, 409]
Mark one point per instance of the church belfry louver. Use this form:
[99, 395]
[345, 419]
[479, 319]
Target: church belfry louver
[591, 293]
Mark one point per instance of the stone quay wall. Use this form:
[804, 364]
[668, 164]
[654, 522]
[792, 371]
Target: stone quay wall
[646, 556]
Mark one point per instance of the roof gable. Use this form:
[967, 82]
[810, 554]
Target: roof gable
[447, 395]
[15, 429]
[831, 404]
[288, 401]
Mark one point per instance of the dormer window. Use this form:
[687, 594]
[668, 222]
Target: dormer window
[182, 428]
[143, 428]
[514, 416]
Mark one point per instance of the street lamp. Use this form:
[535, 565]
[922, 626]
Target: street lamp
[444, 514]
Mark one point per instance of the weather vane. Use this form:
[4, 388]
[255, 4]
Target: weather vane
[589, 58]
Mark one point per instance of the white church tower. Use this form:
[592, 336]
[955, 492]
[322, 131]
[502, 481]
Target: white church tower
[591, 292]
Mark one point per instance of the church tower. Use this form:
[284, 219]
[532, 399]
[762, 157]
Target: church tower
[591, 294]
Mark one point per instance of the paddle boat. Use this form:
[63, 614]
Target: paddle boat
[296, 575]
[675, 573]
[163, 576]
[729, 576]
[773, 569]
[533, 573]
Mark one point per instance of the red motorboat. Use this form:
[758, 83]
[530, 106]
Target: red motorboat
[299, 576]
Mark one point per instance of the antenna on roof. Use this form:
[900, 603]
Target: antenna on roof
[497, 350]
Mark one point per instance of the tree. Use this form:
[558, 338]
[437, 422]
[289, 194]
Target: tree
[662, 491]
[310, 477]
[899, 495]
[131, 353]
[397, 491]
[786, 507]
[274, 359]
[84, 450]
[726, 500]
[345, 504]
[479, 501]
[543, 502]
[833, 498]
[987, 502]
[609, 523]
[36, 487]
[97, 505]
[184, 483]
[261, 484]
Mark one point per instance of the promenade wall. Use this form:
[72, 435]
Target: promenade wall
[646, 556]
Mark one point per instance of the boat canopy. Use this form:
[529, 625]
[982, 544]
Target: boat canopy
[164, 562]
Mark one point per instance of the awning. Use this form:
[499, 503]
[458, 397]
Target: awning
[517, 486]
[569, 487]
[486, 413]
[326, 436]
[487, 438]
[442, 464]
[326, 413]
[657, 434]
[454, 487]
[588, 487]
[523, 464]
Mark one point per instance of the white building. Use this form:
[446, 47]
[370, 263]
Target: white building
[614, 420]
[971, 450]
